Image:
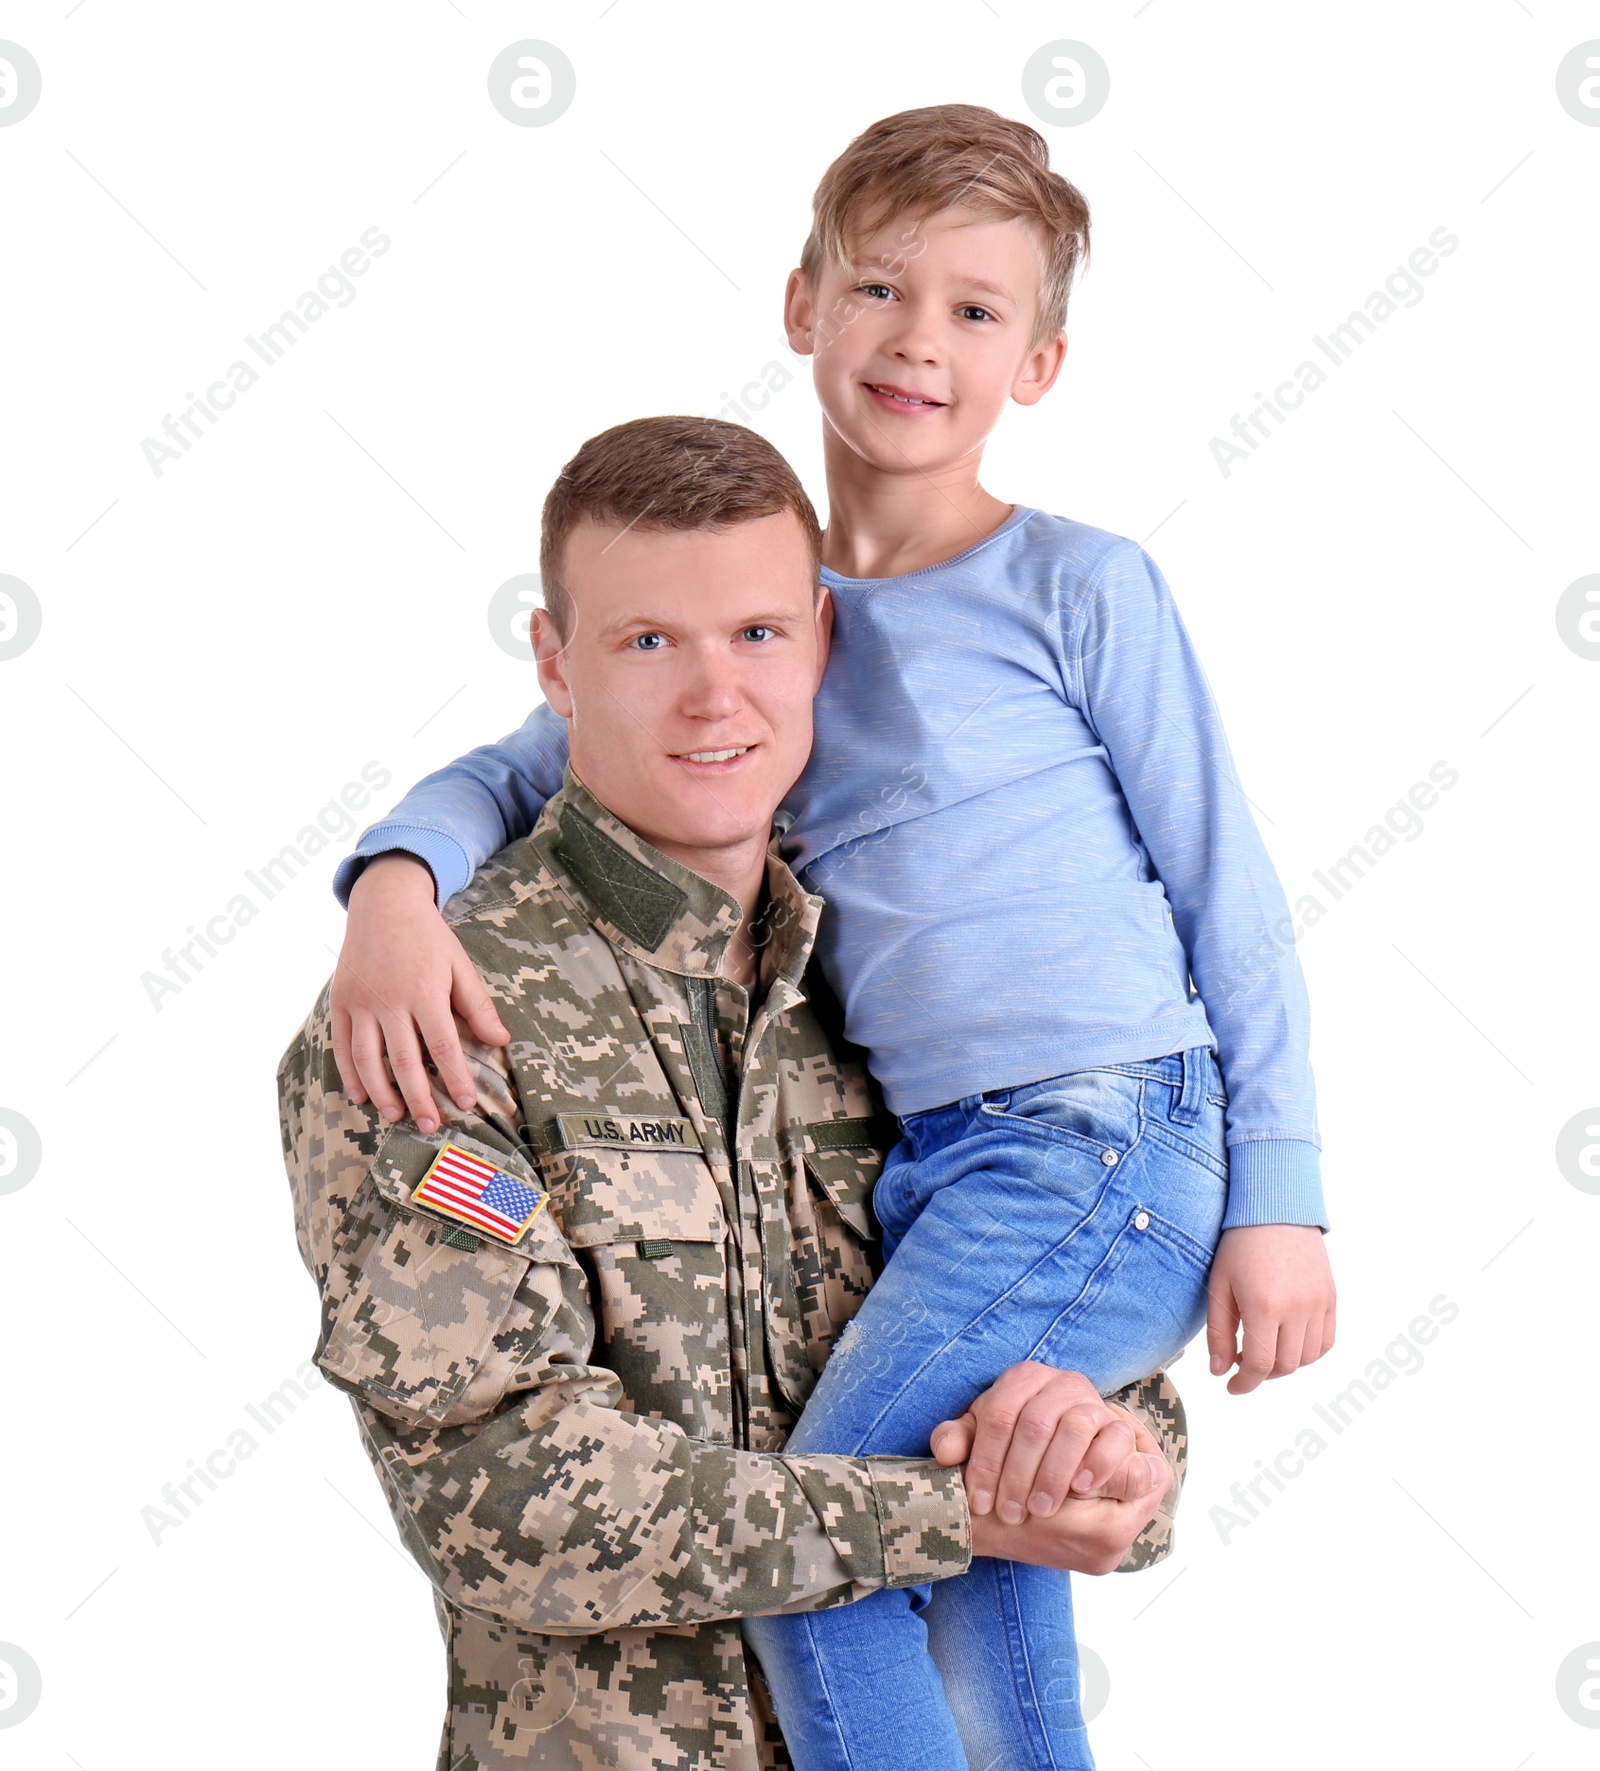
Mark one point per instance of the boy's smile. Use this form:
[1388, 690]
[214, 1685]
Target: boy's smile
[894, 397]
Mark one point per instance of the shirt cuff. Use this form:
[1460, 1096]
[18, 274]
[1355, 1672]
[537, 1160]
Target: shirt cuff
[445, 858]
[922, 1517]
[892, 1521]
[1274, 1181]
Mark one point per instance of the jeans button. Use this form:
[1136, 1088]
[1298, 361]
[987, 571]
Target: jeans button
[1142, 1221]
[1109, 1158]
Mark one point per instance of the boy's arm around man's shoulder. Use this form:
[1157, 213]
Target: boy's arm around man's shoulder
[523, 1488]
[456, 818]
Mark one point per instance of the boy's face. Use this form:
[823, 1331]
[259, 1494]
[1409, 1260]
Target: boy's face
[942, 311]
[688, 678]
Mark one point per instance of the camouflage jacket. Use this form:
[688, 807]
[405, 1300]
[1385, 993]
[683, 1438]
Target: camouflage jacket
[575, 1382]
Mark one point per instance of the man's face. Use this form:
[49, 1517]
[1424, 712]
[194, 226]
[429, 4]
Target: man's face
[688, 678]
[920, 344]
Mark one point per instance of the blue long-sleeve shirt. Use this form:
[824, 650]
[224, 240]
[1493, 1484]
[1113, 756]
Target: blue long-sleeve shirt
[1022, 812]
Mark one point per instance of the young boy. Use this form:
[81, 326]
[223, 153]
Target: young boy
[1022, 813]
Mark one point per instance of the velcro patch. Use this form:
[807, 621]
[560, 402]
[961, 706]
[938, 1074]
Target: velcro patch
[571, 1131]
[464, 1186]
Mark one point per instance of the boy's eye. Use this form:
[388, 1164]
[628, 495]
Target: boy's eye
[880, 290]
[974, 312]
[648, 642]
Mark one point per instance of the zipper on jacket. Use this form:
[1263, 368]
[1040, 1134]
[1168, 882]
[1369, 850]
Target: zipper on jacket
[705, 1062]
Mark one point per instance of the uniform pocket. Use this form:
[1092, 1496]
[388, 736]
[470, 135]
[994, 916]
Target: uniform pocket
[416, 1293]
[650, 1233]
[845, 1178]
[821, 1269]
[602, 1195]
[418, 1315]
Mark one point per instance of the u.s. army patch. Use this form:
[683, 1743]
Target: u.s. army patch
[476, 1192]
[571, 1131]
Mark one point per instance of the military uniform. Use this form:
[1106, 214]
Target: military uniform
[576, 1382]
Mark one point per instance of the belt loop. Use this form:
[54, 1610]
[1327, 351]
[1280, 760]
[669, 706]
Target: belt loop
[1192, 1100]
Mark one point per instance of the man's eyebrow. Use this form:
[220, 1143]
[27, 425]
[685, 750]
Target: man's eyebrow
[662, 623]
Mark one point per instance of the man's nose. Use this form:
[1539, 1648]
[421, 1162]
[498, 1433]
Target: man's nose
[714, 689]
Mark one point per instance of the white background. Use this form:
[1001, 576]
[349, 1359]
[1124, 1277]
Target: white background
[226, 644]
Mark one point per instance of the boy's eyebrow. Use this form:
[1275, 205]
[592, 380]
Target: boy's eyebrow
[987, 288]
[882, 261]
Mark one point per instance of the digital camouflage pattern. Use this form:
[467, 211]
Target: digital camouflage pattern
[579, 1430]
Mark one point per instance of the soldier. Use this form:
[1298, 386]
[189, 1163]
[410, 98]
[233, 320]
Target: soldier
[578, 1315]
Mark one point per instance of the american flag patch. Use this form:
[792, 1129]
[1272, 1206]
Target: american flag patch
[478, 1194]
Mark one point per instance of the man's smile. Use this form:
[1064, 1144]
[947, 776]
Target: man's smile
[721, 761]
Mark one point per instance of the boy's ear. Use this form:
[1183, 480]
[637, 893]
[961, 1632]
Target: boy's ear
[550, 655]
[1038, 374]
[799, 314]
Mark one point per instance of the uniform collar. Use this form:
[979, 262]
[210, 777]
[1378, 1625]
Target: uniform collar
[655, 907]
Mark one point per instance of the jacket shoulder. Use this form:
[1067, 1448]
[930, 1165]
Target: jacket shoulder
[514, 886]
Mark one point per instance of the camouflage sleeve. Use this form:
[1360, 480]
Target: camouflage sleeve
[1157, 1404]
[522, 1488]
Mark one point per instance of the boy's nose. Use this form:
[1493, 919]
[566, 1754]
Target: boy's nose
[916, 339]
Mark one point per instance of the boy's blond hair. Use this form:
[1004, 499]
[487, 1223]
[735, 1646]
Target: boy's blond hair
[925, 161]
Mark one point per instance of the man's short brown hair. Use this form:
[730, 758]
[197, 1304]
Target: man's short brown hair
[667, 473]
[926, 161]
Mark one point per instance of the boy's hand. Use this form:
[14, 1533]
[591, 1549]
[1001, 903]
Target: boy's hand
[401, 969]
[1273, 1280]
[1038, 1437]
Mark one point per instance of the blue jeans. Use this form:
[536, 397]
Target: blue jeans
[1072, 1221]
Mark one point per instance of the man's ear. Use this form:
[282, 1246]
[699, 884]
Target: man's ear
[1038, 374]
[549, 650]
[824, 633]
[799, 315]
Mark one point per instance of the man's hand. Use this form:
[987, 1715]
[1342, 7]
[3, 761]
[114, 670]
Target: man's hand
[1274, 1282]
[401, 969]
[1087, 1534]
[1038, 1436]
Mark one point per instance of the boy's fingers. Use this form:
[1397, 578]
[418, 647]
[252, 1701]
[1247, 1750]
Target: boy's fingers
[474, 1004]
[411, 1078]
[1258, 1361]
[366, 1049]
[349, 1076]
[1222, 1328]
[444, 1047]
[1086, 1451]
[1311, 1345]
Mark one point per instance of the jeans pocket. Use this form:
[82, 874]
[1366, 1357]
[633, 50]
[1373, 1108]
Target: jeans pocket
[1096, 1110]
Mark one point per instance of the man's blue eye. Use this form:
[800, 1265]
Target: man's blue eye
[650, 642]
[758, 633]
